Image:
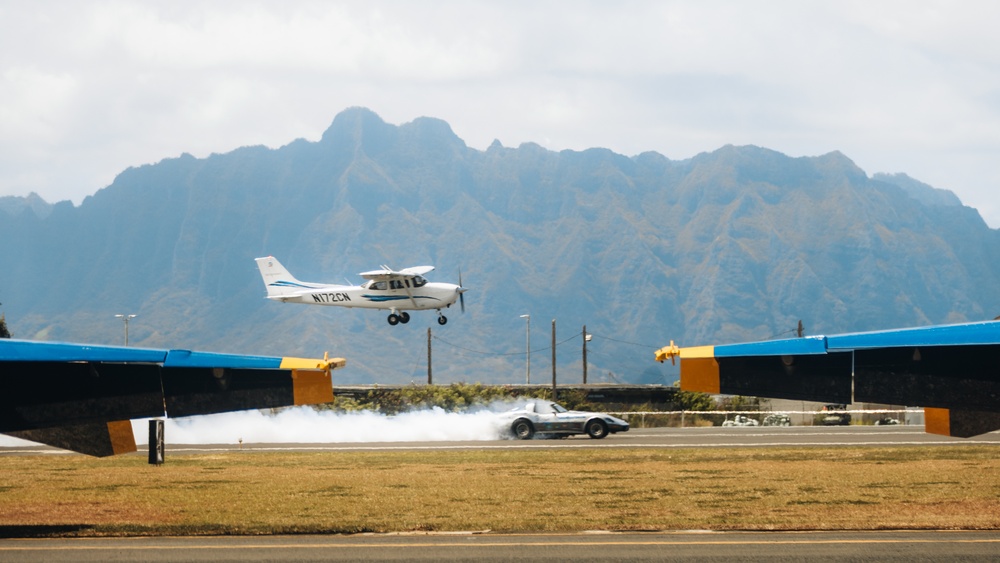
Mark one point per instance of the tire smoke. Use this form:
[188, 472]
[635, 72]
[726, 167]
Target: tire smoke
[305, 425]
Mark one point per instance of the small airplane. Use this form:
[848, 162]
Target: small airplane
[396, 291]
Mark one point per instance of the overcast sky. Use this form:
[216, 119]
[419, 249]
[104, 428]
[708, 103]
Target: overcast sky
[89, 88]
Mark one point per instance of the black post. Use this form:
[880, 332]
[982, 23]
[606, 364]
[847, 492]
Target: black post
[430, 379]
[156, 449]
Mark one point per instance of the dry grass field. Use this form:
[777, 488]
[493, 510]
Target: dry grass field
[505, 492]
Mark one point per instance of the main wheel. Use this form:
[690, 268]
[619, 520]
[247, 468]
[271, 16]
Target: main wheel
[404, 317]
[596, 429]
[522, 429]
[393, 319]
[442, 320]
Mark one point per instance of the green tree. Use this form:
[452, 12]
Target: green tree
[739, 403]
[693, 401]
[4, 333]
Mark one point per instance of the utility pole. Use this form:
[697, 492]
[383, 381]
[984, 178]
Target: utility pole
[554, 394]
[586, 339]
[430, 379]
[527, 341]
[126, 319]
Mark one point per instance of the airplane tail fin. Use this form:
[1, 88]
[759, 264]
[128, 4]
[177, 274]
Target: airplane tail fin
[278, 281]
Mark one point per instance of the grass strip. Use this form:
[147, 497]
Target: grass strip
[248, 493]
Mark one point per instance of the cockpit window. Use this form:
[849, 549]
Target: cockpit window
[419, 281]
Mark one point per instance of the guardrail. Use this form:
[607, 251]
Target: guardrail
[682, 419]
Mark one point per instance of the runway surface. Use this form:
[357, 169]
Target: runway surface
[708, 437]
[679, 546]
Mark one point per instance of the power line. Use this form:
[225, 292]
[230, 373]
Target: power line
[626, 342]
[485, 353]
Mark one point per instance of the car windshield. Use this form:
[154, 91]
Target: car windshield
[542, 408]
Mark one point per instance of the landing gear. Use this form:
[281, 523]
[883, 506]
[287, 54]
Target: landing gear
[396, 318]
[442, 320]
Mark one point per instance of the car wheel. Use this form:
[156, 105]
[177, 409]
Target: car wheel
[597, 429]
[522, 429]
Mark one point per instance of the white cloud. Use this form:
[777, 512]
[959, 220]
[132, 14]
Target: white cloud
[90, 88]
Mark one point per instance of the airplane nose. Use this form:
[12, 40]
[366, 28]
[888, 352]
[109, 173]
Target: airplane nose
[461, 291]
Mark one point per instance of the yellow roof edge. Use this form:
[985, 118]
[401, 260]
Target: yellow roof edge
[313, 363]
[698, 352]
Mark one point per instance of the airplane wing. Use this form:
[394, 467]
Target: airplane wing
[953, 371]
[81, 397]
[387, 273]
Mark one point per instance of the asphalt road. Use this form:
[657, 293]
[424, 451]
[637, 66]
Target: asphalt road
[709, 437]
[679, 546]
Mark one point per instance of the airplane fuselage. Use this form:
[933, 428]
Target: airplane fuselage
[368, 296]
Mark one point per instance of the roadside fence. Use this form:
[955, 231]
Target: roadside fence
[684, 419]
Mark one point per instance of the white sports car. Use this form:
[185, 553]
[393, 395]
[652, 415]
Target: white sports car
[545, 417]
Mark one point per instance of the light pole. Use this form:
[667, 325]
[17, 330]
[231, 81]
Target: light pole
[126, 319]
[586, 339]
[527, 341]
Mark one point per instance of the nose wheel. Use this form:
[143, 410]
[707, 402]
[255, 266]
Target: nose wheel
[442, 320]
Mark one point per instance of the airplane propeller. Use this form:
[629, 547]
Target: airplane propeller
[461, 291]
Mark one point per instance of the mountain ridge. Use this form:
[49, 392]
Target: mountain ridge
[730, 245]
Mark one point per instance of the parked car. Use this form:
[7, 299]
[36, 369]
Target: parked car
[777, 420]
[886, 421]
[549, 418]
[741, 420]
[835, 415]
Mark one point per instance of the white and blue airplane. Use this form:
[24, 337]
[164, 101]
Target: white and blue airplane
[387, 289]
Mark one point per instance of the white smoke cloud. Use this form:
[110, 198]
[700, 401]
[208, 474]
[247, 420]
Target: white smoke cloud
[306, 425]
